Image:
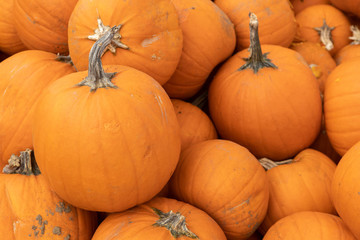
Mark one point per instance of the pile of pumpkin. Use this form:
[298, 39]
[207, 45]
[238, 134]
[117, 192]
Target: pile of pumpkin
[180, 119]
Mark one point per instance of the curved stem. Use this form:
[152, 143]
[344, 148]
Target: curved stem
[356, 35]
[325, 35]
[269, 164]
[175, 222]
[97, 77]
[257, 59]
[24, 164]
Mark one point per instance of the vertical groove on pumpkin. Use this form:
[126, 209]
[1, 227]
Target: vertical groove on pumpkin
[24, 164]
[269, 164]
[325, 35]
[257, 59]
[175, 223]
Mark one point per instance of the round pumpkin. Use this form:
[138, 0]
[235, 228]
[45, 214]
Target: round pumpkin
[349, 6]
[299, 5]
[42, 24]
[109, 142]
[345, 189]
[195, 125]
[300, 184]
[351, 50]
[24, 76]
[269, 103]
[32, 210]
[277, 21]
[325, 24]
[150, 38]
[309, 225]
[225, 180]
[208, 39]
[162, 219]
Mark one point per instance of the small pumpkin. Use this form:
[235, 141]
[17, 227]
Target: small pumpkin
[32, 210]
[226, 181]
[348, 6]
[309, 225]
[299, 5]
[351, 50]
[162, 219]
[100, 136]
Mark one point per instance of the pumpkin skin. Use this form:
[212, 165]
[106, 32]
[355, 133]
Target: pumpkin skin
[309, 225]
[270, 113]
[345, 189]
[138, 223]
[10, 42]
[349, 6]
[32, 210]
[304, 184]
[24, 76]
[341, 104]
[205, 177]
[318, 58]
[208, 39]
[195, 125]
[314, 17]
[96, 150]
[353, 49]
[277, 24]
[299, 5]
[42, 24]
[150, 29]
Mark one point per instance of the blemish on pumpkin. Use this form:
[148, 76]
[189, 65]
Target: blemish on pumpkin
[268, 11]
[149, 41]
[155, 57]
[67, 237]
[39, 219]
[337, 80]
[57, 230]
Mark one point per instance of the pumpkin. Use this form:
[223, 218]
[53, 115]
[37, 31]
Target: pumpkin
[195, 125]
[345, 189]
[24, 76]
[309, 225]
[10, 42]
[299, 184]
[325, 24]
[318, 58]
[225, 180]
[150, 38]
[42, 25]
[208, 39]
[100, 136]
[351, 50]
[32, 210]
[162, 219]
[299, 5]
[277, 20]
[349, 6]
[269, 103]
[341, 106]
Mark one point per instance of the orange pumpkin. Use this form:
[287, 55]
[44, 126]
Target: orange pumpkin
[318, 58]
[150, 38]
[351, 50]
[309, 225]
[24, 76]
[225, 180]
[299, 5]
[10, 42]
[269, 103]
[42, 24]
[342, 106]
[325, 24]
[345, 189]
[101, 142]
[277, 21]
[162, 219]
[32, 210]
[195, 125]
[300, 184]
[349, 6]
[209, 38]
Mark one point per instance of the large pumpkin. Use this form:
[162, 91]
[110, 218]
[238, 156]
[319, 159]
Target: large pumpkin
[32, 210]
[150, 38]
[106, 146]
[269, 103]
[160, 219]
[345, 189]
[225, 180]
[24, 76]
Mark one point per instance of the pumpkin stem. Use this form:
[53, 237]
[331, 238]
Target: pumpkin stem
[97, 77]
[24, 164]
[257, 59]
[325, 35]
[175, 222]
[65, 59]
[269, 164]
[356, 35]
